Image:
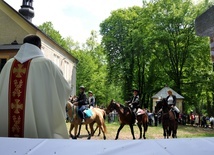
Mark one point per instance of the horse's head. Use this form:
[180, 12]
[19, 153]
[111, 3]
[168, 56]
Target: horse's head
[162, 104]
[70, 109]
[111, 106]
[159, 105]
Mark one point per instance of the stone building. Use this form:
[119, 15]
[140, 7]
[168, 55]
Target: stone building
[14, 26]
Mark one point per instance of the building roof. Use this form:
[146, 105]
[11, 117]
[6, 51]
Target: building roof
[164, 93]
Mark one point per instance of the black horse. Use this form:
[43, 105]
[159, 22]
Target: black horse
[169, 122]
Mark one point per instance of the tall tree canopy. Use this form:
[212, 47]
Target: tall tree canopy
[156, 45]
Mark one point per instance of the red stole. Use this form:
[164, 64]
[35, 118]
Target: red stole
[17, 97]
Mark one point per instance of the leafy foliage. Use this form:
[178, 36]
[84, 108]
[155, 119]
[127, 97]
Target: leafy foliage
[146, 48]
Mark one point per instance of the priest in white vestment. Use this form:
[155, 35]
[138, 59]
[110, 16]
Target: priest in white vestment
[45, 95]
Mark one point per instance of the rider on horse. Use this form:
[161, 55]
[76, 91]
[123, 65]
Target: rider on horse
[81, 103]
[171, 100]
[134, 103]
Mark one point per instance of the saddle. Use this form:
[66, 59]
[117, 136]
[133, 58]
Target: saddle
[141, 111]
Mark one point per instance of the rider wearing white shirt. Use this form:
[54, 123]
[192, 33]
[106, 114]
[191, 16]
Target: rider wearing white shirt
[171, 100]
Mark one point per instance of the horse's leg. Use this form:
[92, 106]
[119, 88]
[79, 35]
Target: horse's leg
[86, 128]
[97, 127]
[103, 130]
[102, 127]
[145, 127]
[99, 131]
[175, 133]
[92, 129]
[80, 126]
[118, 131]
[169, 132]
[96, 130]
[71, 128]
[140, 128]
[75, 131]
[132, 130]
[165, 132]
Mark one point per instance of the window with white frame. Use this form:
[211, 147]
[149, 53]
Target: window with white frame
[66, 70]
[56, 60]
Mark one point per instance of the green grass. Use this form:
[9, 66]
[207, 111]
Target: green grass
[153, 132]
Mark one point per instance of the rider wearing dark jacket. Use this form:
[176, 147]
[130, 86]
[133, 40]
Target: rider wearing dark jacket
[81, 102]
[171, 100]
[134, 103]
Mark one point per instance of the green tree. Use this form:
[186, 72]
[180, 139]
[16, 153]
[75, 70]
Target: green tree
[178, 48]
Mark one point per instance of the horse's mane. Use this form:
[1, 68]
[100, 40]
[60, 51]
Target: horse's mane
[164, 105]
[121, 105]
[74, 107]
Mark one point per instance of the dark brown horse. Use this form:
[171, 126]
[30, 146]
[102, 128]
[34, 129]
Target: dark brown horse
[126, 118]
[169, 123]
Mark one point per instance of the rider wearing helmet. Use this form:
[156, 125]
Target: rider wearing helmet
[91, 99]
[81, 102]
[134, 103]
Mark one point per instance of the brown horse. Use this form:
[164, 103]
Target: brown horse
[126, 118]
[75, 120]
[169, 123]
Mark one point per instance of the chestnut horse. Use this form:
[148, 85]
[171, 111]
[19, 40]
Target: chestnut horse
[169, 123]
[103, 112]
[75, 120]
[126, 118]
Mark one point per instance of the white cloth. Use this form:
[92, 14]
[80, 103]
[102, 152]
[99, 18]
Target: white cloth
[46, 95]
[170, 100]
[28, 51]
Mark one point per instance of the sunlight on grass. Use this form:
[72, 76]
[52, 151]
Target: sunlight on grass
[152, 133]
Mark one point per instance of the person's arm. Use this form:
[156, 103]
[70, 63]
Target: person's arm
[83, 100]
[136, 101]
[174, 99]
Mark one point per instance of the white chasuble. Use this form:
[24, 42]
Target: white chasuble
[46, 94]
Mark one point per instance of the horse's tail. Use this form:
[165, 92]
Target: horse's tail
[147, 122]
[104, 114]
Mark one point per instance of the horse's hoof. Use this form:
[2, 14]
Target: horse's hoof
[89, 138]
[72, 136]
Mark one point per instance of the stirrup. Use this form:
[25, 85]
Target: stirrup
[83, 120]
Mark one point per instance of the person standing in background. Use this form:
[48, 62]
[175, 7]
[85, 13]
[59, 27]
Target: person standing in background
[91, 99]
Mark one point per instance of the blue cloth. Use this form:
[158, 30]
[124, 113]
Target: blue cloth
[88, 113]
